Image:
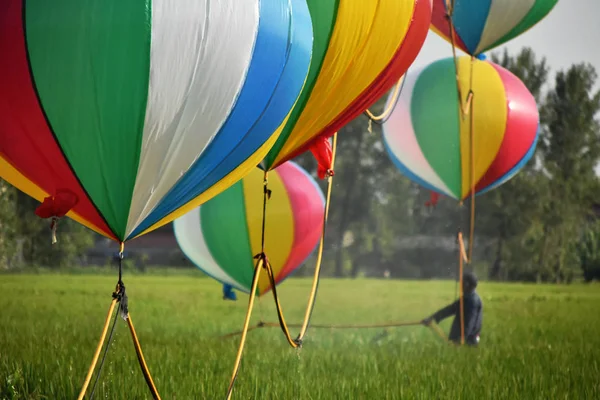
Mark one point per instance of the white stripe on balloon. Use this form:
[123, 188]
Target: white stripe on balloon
[200, 54]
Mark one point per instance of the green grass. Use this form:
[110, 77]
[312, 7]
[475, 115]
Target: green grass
[538, 342]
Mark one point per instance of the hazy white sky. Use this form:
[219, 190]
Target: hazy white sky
[569, 34]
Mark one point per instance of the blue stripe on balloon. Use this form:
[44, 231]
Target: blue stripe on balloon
[275, 78]
[469, 20]
[404, 170]
[511, 173]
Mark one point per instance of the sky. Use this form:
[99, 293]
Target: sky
[566, 36]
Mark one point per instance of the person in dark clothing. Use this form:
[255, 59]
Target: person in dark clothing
[473, 313]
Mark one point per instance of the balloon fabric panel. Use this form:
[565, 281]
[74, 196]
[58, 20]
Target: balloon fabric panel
[435, 88]
[188, 230]
[257, 111]
[157, 117]
[231, 227]
[521, 130]
[225, 231]
[429, 141]
[481, 25]
[404, 149]
[279, 228]
[27, 144]
[308, 224]
[489, 120]
[106, 75]
[323, 15]
[366, 48]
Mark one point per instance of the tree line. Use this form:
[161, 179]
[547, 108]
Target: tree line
[541, 226]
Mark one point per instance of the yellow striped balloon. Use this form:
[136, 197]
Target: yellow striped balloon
[222, 236]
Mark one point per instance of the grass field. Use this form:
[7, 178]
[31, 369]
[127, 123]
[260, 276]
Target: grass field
[538, 342]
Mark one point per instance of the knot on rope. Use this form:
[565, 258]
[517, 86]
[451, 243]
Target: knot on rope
[121, 296]
[261, 256]
[261, 324]
[298, 341]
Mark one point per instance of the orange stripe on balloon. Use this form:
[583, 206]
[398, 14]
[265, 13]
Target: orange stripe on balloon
[19, 181]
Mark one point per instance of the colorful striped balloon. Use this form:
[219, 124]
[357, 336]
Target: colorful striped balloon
[361, 49]
[481, 25]
[430, 143]
[144, 109]
[222, 236]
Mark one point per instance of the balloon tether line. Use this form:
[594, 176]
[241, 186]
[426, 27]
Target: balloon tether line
[385, 115]
[466, 109]
[118, 296]
[262, 262]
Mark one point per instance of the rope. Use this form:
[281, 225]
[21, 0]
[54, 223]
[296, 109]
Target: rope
[461, 258]
[472, 145]
[385, 115]
[433, 326]
[140, 355]
[119, 296]
[449, 12]
[88, 377]
[263, 262]
[244, 332]
[263, 324]
[108, 342]
[315, 285]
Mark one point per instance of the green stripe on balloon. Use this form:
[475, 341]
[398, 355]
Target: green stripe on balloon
[80, 65]
[540, 9]
[229, 211]
[323, 15]
[435, 88]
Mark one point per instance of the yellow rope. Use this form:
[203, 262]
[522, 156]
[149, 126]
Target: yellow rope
[142, 361]
[262, 262]
[119, 296]
[461, 258]
[315, 283]
[326, 326]
[390, 107]
[98, 349]
[238, 359]
[472, 144]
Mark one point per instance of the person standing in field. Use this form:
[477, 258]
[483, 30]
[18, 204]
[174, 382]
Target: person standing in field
[473, 313]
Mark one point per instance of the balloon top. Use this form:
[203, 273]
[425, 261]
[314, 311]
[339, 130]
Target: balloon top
[481, 57]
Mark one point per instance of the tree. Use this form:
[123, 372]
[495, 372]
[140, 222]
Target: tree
[7, 224]
[570, 148]
[588, 250]
[30, 237]
[508, 214]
